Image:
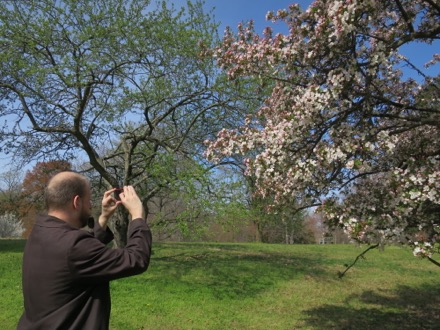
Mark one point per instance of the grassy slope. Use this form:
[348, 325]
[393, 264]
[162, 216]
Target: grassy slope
[254, 286]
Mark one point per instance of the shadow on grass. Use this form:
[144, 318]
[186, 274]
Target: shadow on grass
[8, 245]
[230, 271]
[404, 308]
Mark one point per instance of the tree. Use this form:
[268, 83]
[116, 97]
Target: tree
[286, 226]
[112, 83]
[181, 209]
[12, 205]
[10, 226]
[32, 192]
[347, 127]
[35, 180]
[10, 192]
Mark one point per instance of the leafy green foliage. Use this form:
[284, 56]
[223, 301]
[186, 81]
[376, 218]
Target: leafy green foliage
[115, 84]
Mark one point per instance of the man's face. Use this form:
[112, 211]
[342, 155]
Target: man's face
[86, 208]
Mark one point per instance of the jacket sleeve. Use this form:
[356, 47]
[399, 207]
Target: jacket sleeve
[105, 236]
[91, 260]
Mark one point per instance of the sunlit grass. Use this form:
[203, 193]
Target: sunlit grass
[11, 300]
[258, 286]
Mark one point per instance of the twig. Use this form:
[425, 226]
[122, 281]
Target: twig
[341, 274]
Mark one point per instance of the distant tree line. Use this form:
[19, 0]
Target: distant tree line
[21, 199]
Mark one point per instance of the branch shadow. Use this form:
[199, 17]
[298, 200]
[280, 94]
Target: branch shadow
[403, 308]
[233, 272]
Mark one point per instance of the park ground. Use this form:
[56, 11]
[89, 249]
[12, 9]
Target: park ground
[260, 286]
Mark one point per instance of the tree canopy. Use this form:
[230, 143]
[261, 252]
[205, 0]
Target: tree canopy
[352, 124]
[116, 84]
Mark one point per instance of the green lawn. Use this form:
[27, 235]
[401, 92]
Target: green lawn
[257, 286]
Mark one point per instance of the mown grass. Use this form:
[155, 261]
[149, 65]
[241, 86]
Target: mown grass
[256, 286]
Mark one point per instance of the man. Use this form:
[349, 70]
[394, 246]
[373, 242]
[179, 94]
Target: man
[66, 270]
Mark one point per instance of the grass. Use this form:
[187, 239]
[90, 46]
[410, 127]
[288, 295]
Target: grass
[257, 286]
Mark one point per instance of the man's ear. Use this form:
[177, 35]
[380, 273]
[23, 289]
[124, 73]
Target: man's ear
[77, 202]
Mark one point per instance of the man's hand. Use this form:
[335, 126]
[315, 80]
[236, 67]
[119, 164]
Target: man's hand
[108, 207]
[132, 203]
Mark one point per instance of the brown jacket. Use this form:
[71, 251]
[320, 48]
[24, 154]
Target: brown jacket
[66, 273]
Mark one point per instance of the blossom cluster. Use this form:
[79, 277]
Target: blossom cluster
[342, 127]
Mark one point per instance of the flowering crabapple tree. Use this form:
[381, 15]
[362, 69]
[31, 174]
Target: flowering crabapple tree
[352, 125]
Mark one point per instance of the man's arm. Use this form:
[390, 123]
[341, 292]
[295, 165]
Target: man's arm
[92, 260]
[108, 207]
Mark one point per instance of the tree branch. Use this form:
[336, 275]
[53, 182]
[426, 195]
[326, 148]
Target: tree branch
[341, 274]
[434, 261]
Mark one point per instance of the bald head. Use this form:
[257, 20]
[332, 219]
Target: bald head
[63, 187]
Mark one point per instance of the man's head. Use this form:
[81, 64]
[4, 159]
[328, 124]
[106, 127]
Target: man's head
[69, 193]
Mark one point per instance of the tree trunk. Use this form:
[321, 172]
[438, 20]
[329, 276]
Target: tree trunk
[120, 227]
[258, 233]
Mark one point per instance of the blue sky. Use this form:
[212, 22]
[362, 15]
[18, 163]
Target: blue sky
[231, 12]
